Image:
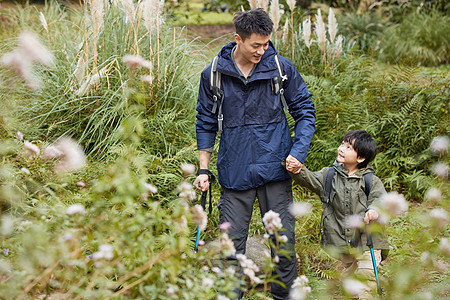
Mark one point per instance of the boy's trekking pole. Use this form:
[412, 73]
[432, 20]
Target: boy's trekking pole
[211, 179]
[374, 263]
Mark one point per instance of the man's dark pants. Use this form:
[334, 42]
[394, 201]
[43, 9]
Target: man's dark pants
[236, 207]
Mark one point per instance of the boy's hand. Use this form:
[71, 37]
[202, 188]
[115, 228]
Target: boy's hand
[370, 215]
[293, 165]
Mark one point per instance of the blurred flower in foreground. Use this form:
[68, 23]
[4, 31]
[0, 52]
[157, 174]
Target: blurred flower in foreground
[76, 209]
[248, 268]
[81, 184]
[199, 216]
[300, 209]
[21, 59]
[439, 216]
[225, 226]
[136, 61]
[187, 169]
[207, 282]
[272, 221]
[439, 144]
[25, 170]
[440, 169]
[391, 204]
[68, 152]
[31, 150]
[186, 191]
[444, 245]
[147, 78]
[5, 252]
[150, 188]
[227, 245]
[354, 221]
[433, 195]
[19, 136]
[299, 288]
[104, 252]
[354, 287]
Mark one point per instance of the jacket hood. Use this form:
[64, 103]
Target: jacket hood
[360, 173]
[226, 66]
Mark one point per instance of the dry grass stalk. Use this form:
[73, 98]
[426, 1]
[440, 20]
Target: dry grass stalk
[338, 45]
[284, 37]
[80, 68]
[320, 30]
[43, 21]
[90, 82]
[253, 4]
[332, 25]
[291, 4]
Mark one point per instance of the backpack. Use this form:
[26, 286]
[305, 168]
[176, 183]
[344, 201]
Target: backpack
[215, 80]
[326, 199]
[329, 180]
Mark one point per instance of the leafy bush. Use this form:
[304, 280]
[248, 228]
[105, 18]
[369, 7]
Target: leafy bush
[419, 39]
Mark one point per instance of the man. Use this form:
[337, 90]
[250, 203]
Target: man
[255, 138]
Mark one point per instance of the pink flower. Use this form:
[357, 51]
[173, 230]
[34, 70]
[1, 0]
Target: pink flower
[19, 136]
[136, 61]
[225, 226]
[81, 184]
[200, 217]
[70, 154]
[272, 221]
[31, 149]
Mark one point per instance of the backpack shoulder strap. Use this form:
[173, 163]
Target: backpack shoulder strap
[278, 83]
[215, 81]
[367, 183]
[327, 185]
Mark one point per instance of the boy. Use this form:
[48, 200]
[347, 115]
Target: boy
[347, 199]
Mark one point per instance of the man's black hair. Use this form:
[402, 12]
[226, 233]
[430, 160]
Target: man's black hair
[363, 144]
[252, 21]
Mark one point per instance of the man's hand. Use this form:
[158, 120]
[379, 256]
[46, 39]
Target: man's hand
[202, 182]
[293, 165]
[370, 215]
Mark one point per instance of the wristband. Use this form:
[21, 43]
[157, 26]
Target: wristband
[207, 172]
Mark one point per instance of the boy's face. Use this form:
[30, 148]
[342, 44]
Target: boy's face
[252, 48]
[347, 156]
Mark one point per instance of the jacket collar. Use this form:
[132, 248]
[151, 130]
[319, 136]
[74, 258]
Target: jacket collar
[360, 173]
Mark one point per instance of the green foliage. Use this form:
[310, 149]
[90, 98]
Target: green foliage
[430, 43]
[363, 30]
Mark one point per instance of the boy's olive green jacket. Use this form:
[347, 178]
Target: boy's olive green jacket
[347, 198]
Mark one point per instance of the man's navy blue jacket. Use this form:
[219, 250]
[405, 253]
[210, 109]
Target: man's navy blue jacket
[255, 137]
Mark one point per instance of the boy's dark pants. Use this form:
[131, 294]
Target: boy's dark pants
[236, 207]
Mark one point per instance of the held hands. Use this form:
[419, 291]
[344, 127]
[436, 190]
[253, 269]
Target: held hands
[370, 215]
[202, 182]
[293, 165]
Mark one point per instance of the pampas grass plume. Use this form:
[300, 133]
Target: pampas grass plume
[291, 4]
[129, 9]
[332, 25]
[320, 30]
[32, 48]
[97, 10]
[307, 32]
[275, 14]
[285, 31]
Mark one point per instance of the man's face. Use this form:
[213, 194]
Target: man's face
[347, 155]
[252, 48]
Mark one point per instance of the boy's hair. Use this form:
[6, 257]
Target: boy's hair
[252, 21]
[363, 144]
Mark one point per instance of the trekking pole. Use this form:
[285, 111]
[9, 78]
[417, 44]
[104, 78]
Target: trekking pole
[203, 200]
[211, 179]
[374, 263]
